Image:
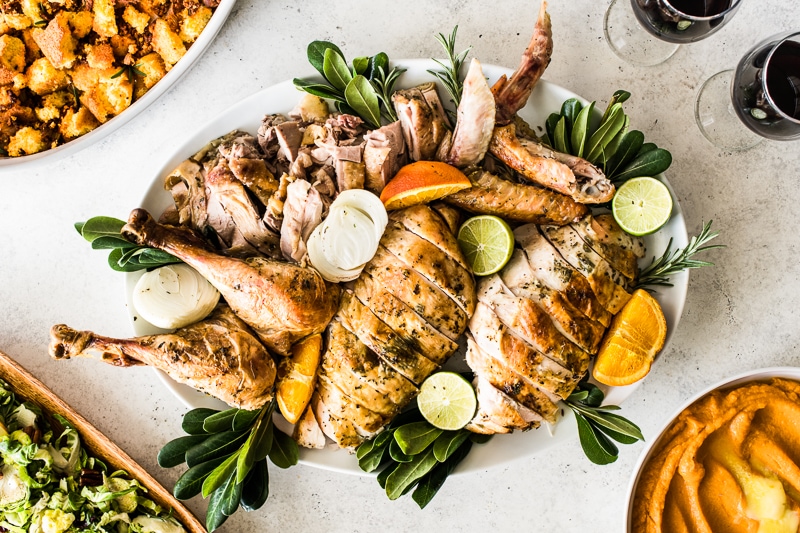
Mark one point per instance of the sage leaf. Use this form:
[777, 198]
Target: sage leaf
[193, 420]
[550, 127]
[397, 454]
[619, 437]
[578, 396]
[220, 475]
[79, 227]
[335, 69]
[191, 482]
[254, 444]
[316, 54]
[650, 163]
[219, 422]
[101, 227]
[360, 95]
[596, 446]
[360, 65]
[561, 138]
[385, 473]
[378, 62]
[174, 452]
[262, 442]
[605, 133]
[479, 438]
[580, 130]
[430, 484]
[629, 146]
[569, 110]
[447, 443]
[611, 421]
[115, 261]
[214, 515]
[284, 451]
[596, 396]
[231, 495]
[156, 256]
[416, 437]
[612, 147]
[318, 89]
[255, 490]
[109, 242]
[406, 474]
[616, 99]
[647, 147]
[370, 454]
[217, 445]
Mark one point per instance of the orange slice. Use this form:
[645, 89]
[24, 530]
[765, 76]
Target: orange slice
[422, 182]
[297, 376]
[636, 335]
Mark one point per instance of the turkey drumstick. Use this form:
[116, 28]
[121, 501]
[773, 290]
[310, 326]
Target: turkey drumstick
[282, 302]
[219, 355]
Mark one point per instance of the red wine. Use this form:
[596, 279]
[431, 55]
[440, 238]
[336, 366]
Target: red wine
[700, 8]
[683, 21]
[783, 78]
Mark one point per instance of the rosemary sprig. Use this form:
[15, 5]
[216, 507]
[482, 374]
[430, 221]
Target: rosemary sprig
[450, 77]
[384, 87]
[673, 261]
[597, 425]
[130, 71]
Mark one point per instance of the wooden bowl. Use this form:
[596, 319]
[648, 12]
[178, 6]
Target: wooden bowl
[28, 387]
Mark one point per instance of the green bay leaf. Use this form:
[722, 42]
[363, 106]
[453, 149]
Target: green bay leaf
[361, 97]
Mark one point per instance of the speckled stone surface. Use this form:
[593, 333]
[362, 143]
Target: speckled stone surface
[740, 315]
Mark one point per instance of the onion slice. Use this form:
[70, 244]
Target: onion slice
[174, 296]
[348, 238]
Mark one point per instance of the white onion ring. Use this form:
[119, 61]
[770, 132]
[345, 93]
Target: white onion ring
[174, 296]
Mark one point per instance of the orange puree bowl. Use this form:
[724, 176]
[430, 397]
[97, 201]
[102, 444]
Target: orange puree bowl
[730, 455]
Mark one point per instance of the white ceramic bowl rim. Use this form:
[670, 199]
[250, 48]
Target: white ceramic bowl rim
[761, 374]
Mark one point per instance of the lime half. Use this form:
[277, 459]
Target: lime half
[487, 242]
[447, 400]
[642, 205]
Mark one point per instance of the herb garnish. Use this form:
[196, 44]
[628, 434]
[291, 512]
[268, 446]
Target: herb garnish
[104, 234]
[450, 78]
[622, 154]
[671, 262]
[412, 453]
[365, 90]
[130, 71]
[226, 452]
[597, 425]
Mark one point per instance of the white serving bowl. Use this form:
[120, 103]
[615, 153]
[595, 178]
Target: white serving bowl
[762, 374]
[176, 73]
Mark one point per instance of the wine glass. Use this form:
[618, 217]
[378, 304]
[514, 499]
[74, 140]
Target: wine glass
[649, 31]
[761, 98]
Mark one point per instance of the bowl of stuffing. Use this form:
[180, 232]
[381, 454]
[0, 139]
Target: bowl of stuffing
[73, 71]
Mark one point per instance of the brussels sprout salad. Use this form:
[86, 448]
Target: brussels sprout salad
[50, 484]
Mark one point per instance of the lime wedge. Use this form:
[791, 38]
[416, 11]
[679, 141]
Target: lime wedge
[487, 243]
[642, 205]
[447, 400]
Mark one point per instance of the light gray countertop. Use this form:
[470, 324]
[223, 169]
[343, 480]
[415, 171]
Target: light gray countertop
[740, 315]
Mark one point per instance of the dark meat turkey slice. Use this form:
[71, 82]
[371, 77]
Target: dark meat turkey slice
[497, 413]
[497, 341]
[434, 229]
[532, 324]
[422, 118]
[509, 382]
[341, 419]
[518, 276]
[620, 249]
[405, 283]
[607, 284]
[186, 184]
[391, 347]
[551, 269]
[403, 320]
[493, 195]
[434, 264]
[227, 192]
[384, 154]
[367, 378]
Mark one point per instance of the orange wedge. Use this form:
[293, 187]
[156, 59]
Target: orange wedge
[632, 341]
[422, 182]
[297, 376]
